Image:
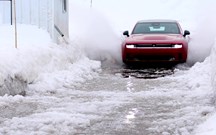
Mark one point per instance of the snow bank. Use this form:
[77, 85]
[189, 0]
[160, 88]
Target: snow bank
[213, 61]
[208, 127]
[38, 60]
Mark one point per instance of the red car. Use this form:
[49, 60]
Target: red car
[155, 41]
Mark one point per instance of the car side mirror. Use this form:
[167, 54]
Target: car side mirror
[126, 33]
[186, 32]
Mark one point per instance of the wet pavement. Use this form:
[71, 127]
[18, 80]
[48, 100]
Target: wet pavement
[149, 73]
[155, 106]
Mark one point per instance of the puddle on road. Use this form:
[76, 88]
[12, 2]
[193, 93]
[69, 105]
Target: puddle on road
[140, 72]
[148, 73]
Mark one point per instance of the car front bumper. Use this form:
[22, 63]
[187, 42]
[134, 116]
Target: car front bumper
[154, 55]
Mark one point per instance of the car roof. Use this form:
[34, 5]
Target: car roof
[157, 20]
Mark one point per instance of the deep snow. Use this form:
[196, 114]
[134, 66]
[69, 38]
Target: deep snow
[37, 59]
[48, 68]
[208, 127]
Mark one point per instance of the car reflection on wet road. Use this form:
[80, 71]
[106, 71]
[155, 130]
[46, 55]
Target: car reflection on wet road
[150, 73]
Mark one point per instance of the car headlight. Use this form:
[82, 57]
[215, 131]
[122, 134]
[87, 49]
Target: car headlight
[130, 46]
[177, 46]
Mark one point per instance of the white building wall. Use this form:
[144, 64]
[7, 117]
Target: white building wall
[5, 11]
[61, 20]
[0, 19]
[40, 13]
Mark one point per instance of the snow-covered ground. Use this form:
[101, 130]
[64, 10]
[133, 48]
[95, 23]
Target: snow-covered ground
[39, 60]
[208, 128]
[47, 72]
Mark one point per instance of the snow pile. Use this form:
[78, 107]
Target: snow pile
[37, 60]
[65, 112]
[208, 127]
[213, 61]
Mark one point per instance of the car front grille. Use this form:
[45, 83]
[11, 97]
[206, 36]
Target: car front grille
[154, 45]
[151, 57]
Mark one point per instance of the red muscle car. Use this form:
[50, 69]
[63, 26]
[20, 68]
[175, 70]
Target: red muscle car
[155, 41]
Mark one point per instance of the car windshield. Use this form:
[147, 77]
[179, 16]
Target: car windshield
[156, 27]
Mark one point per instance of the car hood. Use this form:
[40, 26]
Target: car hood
[155, 38]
